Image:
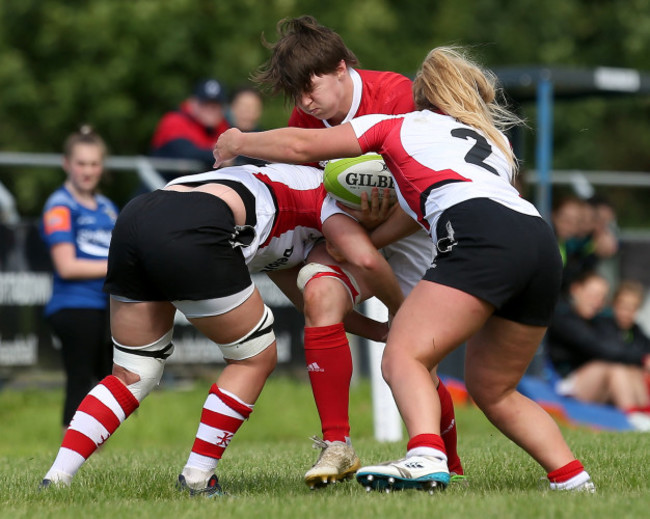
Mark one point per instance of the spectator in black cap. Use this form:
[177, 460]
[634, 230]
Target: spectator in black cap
[191, 131]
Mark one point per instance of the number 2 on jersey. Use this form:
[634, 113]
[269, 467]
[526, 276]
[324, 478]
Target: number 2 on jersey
[477, 153]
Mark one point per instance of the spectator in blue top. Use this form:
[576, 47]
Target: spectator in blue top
[76, 226]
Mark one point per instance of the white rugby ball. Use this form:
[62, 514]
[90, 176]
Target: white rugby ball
[346, 179]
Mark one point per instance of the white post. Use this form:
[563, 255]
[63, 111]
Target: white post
[387, 420]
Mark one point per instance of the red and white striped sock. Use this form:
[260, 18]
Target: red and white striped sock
[329, 364]
[448, 429]
[223, 414]
[100, 413]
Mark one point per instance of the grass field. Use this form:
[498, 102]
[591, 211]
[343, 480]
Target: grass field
[134, 473]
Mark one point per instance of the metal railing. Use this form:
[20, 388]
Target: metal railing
[145, 167]
[148, 168]
[595, 178]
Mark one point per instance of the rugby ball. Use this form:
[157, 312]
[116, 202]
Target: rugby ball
[346, 179]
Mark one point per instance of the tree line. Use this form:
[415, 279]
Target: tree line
[119, 65]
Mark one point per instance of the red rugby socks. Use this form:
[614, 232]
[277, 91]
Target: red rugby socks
[329, 363]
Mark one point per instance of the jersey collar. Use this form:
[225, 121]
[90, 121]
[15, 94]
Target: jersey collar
[356, 97]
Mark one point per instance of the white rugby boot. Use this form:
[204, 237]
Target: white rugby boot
[418, 472]
[336, 462]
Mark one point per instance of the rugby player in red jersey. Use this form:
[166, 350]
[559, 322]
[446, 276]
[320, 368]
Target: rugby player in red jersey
[311, 66]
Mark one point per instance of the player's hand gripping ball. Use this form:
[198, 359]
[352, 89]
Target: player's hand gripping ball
[346, 179]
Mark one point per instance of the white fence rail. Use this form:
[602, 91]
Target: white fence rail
[145, 167]
[147, 170]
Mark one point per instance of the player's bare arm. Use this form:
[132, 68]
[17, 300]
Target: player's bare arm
[363, 326]
[292, 145]
[351, 240]
[398, 225]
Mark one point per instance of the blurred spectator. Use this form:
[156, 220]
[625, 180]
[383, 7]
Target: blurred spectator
[566, 220]
[191, 131]
[622, 324]
[77, 225]
[604, 228]
[593, 366]
[586, 235]
[606, 238]
[246, 108]
[245, 112]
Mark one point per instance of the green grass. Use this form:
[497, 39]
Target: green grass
[135, 471]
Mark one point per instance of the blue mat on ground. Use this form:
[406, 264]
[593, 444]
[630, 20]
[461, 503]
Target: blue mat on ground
[579, 413]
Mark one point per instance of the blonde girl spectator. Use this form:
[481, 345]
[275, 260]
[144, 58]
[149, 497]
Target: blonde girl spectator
[76, 226]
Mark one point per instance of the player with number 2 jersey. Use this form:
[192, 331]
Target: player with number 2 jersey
[495, 279]
[439, 162]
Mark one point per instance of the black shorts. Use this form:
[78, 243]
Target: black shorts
[169, 246]
[501, 256]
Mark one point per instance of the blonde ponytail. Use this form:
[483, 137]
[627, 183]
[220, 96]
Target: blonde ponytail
[450, 81]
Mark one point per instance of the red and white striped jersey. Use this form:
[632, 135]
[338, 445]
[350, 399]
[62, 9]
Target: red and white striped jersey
[290, 206]
[438, 162]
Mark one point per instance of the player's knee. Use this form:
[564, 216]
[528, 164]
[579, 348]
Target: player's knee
[146, 362]
[325, 298]
[318, 271]
[489, 396]
[254, 342]
[265, 362]
[126, 376]
[387, 369]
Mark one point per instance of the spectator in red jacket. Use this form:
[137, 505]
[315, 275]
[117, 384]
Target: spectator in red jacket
[191, 131]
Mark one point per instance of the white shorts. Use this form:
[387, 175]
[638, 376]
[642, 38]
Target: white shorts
[204, 307]
[410, 258]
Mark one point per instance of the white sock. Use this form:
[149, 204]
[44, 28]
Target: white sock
[574, 482]
[427, 451]
[202, 463]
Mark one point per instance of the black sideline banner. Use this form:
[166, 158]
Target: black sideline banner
[26, 284]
